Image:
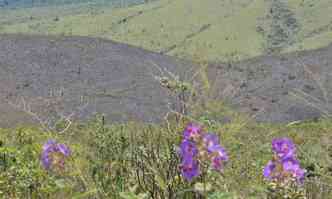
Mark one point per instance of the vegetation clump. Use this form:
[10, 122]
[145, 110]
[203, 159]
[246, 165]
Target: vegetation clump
[284, 171]
[198, 148]
[94, 160]
[281, 27]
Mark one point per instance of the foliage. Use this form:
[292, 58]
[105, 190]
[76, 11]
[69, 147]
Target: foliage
[21, 175]
[141, 161]
[281, 27]
[284, 171]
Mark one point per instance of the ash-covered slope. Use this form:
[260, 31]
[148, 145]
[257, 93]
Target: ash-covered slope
[85, 76]
[290, 87]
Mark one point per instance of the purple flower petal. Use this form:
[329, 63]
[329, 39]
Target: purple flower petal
[63, 149]
[46, 160]
[269, 169]
[190, 168]
[283, 147]
[292, 166]
[218, 163]
[188, 147]
[192, 131]
[210, 140]
[219, 157]
[48, 144]
[219, 151]
[300, 175]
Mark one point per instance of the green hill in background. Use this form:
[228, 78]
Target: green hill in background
[221, 30]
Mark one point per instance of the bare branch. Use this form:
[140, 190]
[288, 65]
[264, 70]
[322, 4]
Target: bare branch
[53, 105]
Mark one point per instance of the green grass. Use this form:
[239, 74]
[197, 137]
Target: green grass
[165, 23]
[107, 159]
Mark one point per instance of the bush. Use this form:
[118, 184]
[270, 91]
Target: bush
[280, 28]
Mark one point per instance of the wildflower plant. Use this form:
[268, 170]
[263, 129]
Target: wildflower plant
[54, 155]
[284, 172]
[199, 148]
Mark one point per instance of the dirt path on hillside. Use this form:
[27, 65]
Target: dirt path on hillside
[80, 76]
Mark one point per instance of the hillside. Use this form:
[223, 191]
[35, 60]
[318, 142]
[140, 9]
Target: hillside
[88, 76]
[221, 30]
[82, 75]
[168, 99]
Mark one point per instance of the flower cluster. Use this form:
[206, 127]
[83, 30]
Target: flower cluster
[54, 154]
[284, 166]
[198, 146]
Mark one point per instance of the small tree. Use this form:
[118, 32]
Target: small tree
[280, 27]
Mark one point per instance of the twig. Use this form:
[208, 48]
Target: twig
[46, 125]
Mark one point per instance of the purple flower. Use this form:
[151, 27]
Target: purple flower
[210, 140]
[284, 169]
[64, 149]
[54, 153]
[269, 170]
[283, 147]
[192, 131]
[189, 168]
[218, 157]
[292, 166]
[220, 152]
[217, 163]
[197, 147]
[188, 147]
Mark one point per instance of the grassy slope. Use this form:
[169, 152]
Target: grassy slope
[165, 23]
[316, 24]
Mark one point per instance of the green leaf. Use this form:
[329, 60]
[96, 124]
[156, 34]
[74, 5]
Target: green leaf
[60, 183]
[201, 187]
[161, 182]
[128, 195]
[85, 194]
[221, 195]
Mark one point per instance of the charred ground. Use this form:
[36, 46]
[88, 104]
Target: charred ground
[86, 76]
